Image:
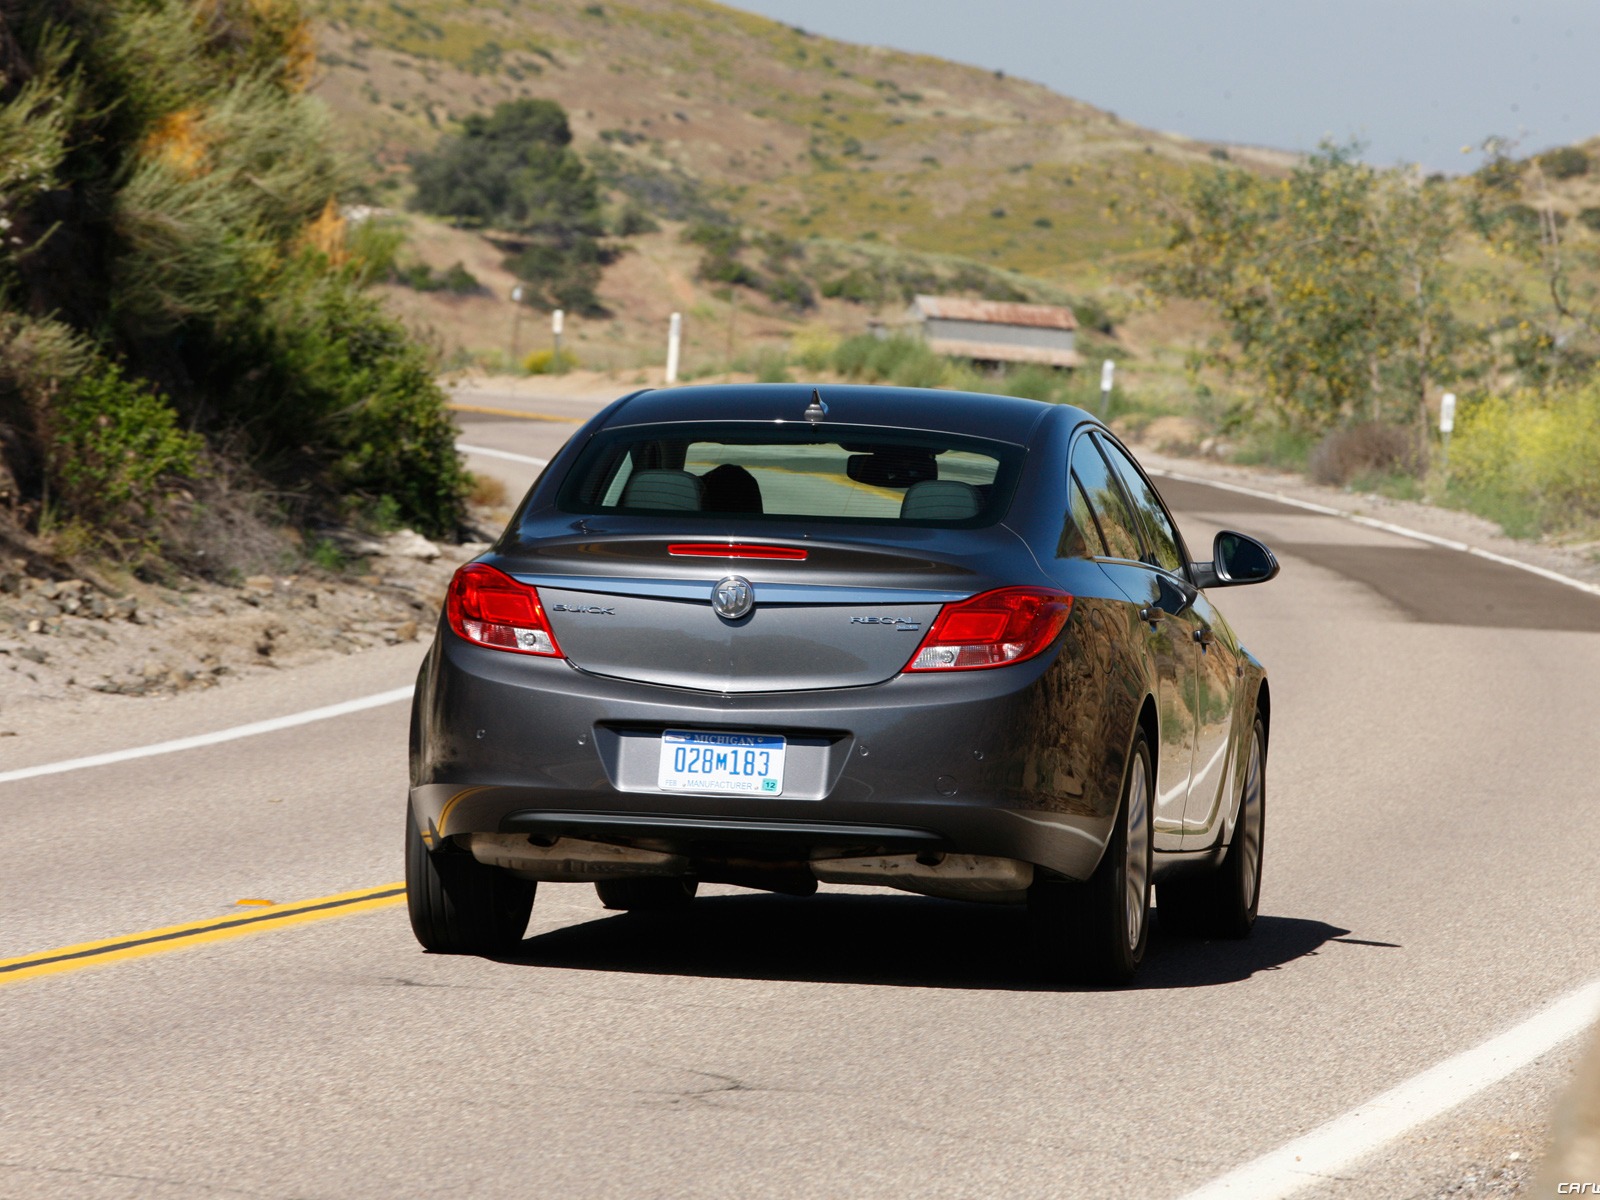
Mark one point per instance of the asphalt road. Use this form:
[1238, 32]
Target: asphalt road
[1428, 883]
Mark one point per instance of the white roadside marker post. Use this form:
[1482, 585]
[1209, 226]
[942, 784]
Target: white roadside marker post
[1108, 372]
[557, 319]
[674, 345]
[1447, 423]
[516, 320]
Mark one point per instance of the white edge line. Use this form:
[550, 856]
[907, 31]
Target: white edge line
[1386, 527]
[376, 700]
[1313, 1158]
[254, 728]
[505, 454]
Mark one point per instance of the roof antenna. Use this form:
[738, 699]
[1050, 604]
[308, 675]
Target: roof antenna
[816, 410]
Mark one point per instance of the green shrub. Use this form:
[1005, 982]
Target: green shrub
[850, 357]
[193, 236]
[373, 246]
[339, 381]
[633, 221]
[1534, 456]
[1032, 383]
[903, 361]
[116, 451]
[722, 243]
[1500, 174]
[561, 277]
[515, 169]
[668, 193]
[892, 355]
[857, 286]
[789, 290]
[545, 362]
[1566, 162]
[455, 279]
[1589, 218]
[924, 370]
[1273, 443]
[771, 366]
[459, 281]
[814, 348]
[1092, 314]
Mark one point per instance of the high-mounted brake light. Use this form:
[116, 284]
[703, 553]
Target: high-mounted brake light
[994, 629]
[492, 609]
[735, 550]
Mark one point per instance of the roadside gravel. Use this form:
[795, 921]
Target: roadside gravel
[62, 639]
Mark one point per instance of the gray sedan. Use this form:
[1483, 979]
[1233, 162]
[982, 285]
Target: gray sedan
[775, 636]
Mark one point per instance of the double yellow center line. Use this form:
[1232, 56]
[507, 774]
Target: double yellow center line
[180, 937]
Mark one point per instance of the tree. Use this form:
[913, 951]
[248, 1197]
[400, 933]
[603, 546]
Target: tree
[514, 170]
[1552, 334]
[177, 291]
[1332, 282]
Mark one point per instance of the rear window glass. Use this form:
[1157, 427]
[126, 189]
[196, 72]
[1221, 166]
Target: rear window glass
[784, 472]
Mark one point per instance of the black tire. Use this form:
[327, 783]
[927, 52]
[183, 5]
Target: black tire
[1097, 931]
[1224, 903]
[648, 893]
[460, 906]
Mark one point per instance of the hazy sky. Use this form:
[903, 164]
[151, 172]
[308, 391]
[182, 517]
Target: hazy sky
[1414, 79]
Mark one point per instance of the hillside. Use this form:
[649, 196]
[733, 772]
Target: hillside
[688, 102]
[870, 159]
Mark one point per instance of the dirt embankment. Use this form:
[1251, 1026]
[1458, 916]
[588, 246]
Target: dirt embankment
[65, 636]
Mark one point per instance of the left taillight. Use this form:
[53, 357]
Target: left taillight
[490, 608]
[993, 629]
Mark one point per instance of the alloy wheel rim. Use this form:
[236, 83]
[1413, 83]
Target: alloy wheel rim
[1137, 868]
[1250, 823]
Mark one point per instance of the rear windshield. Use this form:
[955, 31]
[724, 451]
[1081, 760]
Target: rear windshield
[788, 471]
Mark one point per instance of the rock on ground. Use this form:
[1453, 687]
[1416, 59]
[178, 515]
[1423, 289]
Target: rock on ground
[60, 637]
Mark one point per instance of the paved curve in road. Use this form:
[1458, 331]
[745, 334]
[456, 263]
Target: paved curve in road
[1428, 884]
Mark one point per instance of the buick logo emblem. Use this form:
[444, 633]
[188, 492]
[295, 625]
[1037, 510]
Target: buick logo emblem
[733, 597]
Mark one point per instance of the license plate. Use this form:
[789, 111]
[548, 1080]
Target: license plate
[733, 763]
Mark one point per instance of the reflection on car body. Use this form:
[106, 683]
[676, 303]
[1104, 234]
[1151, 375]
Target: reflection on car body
[1070, 722]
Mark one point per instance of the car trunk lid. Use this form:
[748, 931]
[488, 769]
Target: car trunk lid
[842, 616]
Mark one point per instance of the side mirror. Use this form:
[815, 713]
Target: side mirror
[1236, 559]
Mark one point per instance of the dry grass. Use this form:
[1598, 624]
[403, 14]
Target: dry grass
[794, 131]
[641, 290]
[488, 492]
[1367, 448]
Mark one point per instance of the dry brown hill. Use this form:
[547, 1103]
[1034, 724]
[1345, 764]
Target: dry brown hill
[789, 130]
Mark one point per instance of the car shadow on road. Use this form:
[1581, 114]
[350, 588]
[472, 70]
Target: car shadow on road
[891, 941]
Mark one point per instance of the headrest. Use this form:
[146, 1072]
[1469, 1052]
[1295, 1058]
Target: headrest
[731, 488]
[940, 500]
[673, 491]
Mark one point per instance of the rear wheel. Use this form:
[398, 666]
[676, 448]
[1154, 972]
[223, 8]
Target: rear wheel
[648, 894]
[1096, 931]
[1224, 903]
[460, 906]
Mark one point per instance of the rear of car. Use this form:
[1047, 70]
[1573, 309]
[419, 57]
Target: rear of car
[759, 637]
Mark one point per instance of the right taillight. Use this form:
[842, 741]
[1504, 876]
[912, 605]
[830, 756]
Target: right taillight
[993, 629]
[490, 608]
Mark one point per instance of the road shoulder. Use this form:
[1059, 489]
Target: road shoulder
[1573, 561]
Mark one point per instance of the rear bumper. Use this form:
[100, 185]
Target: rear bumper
[967, 763]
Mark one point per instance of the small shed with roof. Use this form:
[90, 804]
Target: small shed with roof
[995, 332]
